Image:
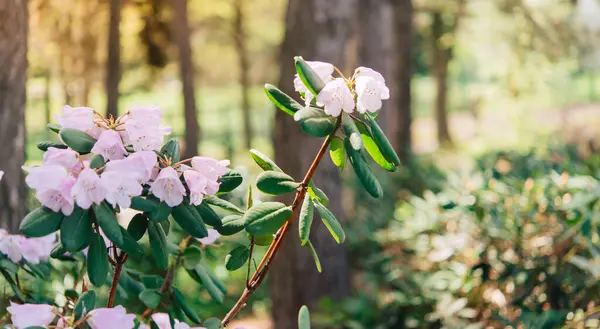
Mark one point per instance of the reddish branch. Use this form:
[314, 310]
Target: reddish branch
[118, 262]
[265, 263]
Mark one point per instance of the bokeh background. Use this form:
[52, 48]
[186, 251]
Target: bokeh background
[493, 221]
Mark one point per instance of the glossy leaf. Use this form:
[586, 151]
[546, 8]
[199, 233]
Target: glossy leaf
[337, 152]
[130, 244]
[212, 323]
[229, 181]
[303, 318]
[208, 215]
[85, 304]
[97, 161]
[172, 149]
[137, 226]
[266, 218]
[97, 261]
[363, 172]
[55, 127]
[40, 222]
[151, 298]
[317, 194]
[213, 289]
[76, 230]
[382, 141]
[263, 161]
[309, 77]
[77, 140]
[161, 214]
[144, 204]
[282, 100]
[185, 307]
[231, 224]
[332, 224]
[315, 121]
[313, 252]
[262, 240]
[306, 218]
[351, 131]
[223, 204]
[158, 244]
[276, 183]
[108, 222]
[192, 256]
[372, 147]
[190, 221]
[44, 146]
[237, 258]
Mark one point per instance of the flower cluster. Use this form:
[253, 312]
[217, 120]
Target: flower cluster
[33, 250]
[128, 148]
[364, 91]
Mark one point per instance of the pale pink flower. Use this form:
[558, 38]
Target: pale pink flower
[211, 169]
[111, 318]
[196, 183]
[335, 97]
[163, 321]
[167, 187]
[110, 146]
[142, 128]
[88, 189]
[53, 186]
[370, 90]
[141, 164]
[60, 324]
[212, 237]
[30, 315]
[143, 326]
[37, 250]
[10, 245]
[120, 188]
[66, 158]
[324, 71]
[80, 118]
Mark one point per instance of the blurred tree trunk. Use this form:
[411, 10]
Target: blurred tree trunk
[186, 70]
[316, 30]
[13, 79]
[48, 99]
[113, 64]
[240, 45]
[385, 40]
[441, 58]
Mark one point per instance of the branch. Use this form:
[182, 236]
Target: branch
[265, 263]
[119, 261]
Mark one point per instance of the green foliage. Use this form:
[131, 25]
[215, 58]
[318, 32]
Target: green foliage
[97, 261]
[223, 204]
[85, 304]
[314, 121]
[382, 142]
[266, 218]
[189, 219]
[108, 222]
[337, 152]
[77, 140]
[76, 230]
[263, 161]
[332, 224]
[43, 146]
[305, 219]
[40, 222]
[351, 132]
[304, 318]
[97, 161]
[208, 215]
[237, 258]
[172, 150]
[230, 181]
[231, 224]
[282, 100]
[363, 172]
[276, 183]
[158, 244]
[373, 148]
[308, 76]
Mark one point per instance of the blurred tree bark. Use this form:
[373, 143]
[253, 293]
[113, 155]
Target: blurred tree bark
[441, 56]
[385, 42]
[186, 70]
[239, 36]
[113, 64]
[13, 78]
[316, 30]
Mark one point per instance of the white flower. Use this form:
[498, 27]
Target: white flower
[163, 321]
[335, 97]
[324, 71]
[370, 89]
[110, 146]
[36, 250]
[211, 169]
[88, 189]
[212, 237]
[111, 318]
[30, 315]
[141, 164]
[142, 128]
[168, 188]
[66, 158]
[10, 245]
[80, 118]
[53, 187]
[1, 174]
[196, 183]
[120, 188]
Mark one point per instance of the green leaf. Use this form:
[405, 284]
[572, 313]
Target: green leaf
[97, 261]
[282, 100]
[192, 256]
[144, 204]
[384, 144]
[263, 161]
[237, 258]
[231, 225]
[208, 215]
[309, 77]
[152, 281]
[332, 224]
[315, 121]
[54, 127]
[130, 244]
[166, 225]
[185, 307]
[44, 146]
[108, 222]
[172, 150]
[223, 204]
[158, 244]
[266, 218]
[97, 161]
[137, 226]
[352, 132]
[262, 240]
[161, 214]
[85, 304]
[58, 251]
[303, 318]
[76, 230]
[313, 252]
[13, 285]
[249, 200]
[372, 147]
[306, 218]
[40, 222]
[276, 183]
[77, 140]
[363, 172]
[229, 181]
[213, 290]
[337, 152]
[150, 298]
[212, 323]
[317, 194]
[190, 221]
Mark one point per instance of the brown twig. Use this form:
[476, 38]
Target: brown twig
[265, 263]
[170, 273]
[119, 261]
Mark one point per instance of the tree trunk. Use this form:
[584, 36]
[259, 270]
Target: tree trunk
[240, 45]
[385, 40]
[13, 78]
[441, 59]
[186, 71]
[113, 64]
[48, 100]
[316, 30]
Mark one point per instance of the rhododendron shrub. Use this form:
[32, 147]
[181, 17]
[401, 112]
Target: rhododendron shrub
[103, 168]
